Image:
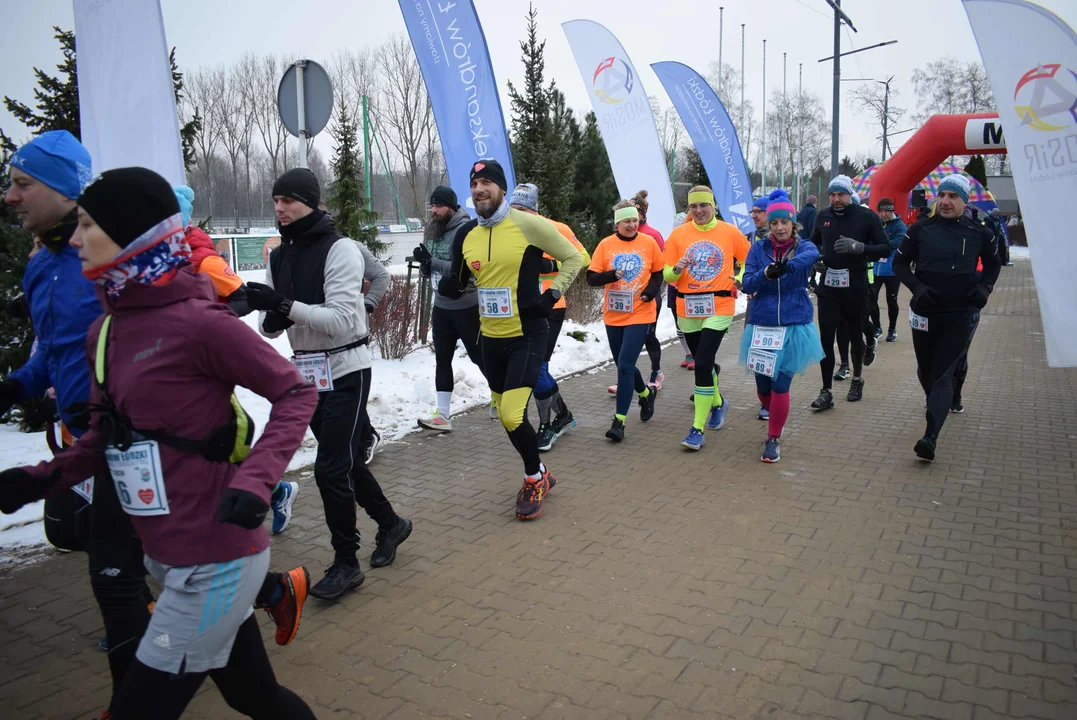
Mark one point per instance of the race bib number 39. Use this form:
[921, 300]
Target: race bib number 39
[768, 338]
[698, 306]
[917, 322]
[620, 300]
[495, 302]
[762, 362]
[140, 484]
[315, 370]
[836, 278]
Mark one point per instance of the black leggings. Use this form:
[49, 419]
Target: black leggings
[939, 352]
[704, 346]
[247, 684]
[512, 369]
[835, 306]
[654, 347]
[67, 521]
[892, 285]
[450, 326]
[867, 328]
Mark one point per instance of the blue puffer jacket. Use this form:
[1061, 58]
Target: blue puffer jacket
[63, 305]
[896, 230]
[784, 301]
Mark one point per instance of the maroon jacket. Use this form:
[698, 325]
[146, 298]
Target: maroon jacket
[174, 359]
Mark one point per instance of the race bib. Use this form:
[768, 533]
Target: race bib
[836, 278]
[85, 490]
[435, 279]
[140, 484]
[762, 362]
[495, 302]
[698, 306]
[917, 322]
[768, 338]
[315, 370]
[620, 300]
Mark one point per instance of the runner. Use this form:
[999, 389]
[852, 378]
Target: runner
[628, 264]
[197, 511]
[547, 392]
[761, 232]
[780, 338]
[503, 252]
[452, 319]
[699, 258]
[320, 304]
[948, 295]
[849, 237]
[884, 271]
[654, 347]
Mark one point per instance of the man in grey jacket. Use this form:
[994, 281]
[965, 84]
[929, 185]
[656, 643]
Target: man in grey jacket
[452, 319]
[313, 290]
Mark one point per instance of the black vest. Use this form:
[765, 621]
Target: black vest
[297, 265]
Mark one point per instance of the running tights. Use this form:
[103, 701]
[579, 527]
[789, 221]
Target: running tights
[654, 347]
[892, 285]
[774, 395]
[835, 306]
[704, 347]
[939, 352]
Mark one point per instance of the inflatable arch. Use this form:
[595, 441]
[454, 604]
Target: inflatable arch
[939, 138]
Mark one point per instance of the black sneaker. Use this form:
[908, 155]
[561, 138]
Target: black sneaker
[843, 372]
[891, 336]
[387, 541]
[546, 438]
[856, 390]
[339, 579]
[825, 401]
[616, 433]
[562, 423]
[869, 351]
[957, 408]
[878, 332]
[646, 405]
[925, 448]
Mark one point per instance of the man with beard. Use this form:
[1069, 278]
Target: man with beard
[503, 251]
[453, 319]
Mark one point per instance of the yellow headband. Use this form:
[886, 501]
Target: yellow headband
[701, 197]
[626, 213]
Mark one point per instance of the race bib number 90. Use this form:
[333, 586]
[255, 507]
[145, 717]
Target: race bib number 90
[698, 306]
[495, 302]
[768, 338]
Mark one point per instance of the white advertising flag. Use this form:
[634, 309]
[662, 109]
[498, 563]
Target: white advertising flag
[126, 100]
[1031, 59]
[624, 117]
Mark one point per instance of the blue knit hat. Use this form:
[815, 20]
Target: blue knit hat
[780, 207]
[761, 203]
[185, 197]
[957, 183]
[841, 184]
[57, 159]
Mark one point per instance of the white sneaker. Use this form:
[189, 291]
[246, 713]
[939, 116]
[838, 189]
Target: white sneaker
[437, 421]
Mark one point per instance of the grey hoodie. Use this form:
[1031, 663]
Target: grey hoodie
[440, 263]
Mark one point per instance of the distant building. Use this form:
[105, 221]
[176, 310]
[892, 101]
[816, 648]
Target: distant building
[1004, 192]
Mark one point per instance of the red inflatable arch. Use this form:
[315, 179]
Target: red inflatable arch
[939, 138]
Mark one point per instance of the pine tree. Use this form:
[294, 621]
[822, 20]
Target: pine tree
[531, 110]
[346, 197]
[977, 169]
[849, 167]
[57, 99]
[694, 171]
[189, 130]
[562, 145]
[595, 189]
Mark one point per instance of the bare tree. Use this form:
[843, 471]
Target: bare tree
[951, 87]
[725, 81]
[202, 99]
[237, 122]
[262, 94]
[797, 134]
[354, 73]
[870, 98]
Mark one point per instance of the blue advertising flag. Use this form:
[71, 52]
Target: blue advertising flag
[715, 138]
[452, 54]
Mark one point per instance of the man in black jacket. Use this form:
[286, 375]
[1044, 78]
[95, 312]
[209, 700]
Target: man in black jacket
[947, 296]
[849, 238]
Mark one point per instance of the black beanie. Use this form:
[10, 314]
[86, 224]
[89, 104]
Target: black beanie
[126, 202]
[492, 171]
[299, 183]
[444, 196]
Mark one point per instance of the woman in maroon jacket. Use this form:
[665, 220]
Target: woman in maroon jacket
[171, 360]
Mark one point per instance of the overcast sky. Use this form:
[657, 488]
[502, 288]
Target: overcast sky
[209, 32]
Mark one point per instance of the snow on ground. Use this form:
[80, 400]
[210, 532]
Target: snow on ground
[403, 391]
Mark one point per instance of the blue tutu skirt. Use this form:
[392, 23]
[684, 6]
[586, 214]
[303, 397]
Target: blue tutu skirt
[801, 350]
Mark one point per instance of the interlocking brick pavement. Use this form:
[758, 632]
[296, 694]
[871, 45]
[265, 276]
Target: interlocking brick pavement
[848, 581]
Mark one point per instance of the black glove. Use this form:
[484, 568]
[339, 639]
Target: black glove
[424, 269]
[775, 270]
[18, 488]
[819, 266]
[18, 308]
[547, 266]
[10, 393]
[848, 246]
[546, 303]
[275, 322]
[263, 297]
[242, 508]
[977, 296]
[449, 287]
[369, 307]
[645, 297]
[923, 299]
[421, 254]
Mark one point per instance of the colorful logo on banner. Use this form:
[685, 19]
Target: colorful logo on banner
[613, 81]
[1045, 96]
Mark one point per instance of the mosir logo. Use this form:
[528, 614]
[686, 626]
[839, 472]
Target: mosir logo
[613, 80]
[1046, 97]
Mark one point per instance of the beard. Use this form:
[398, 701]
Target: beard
[488, 206]
[435, 229]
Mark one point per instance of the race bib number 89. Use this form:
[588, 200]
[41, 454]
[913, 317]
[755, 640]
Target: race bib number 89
[917, 322]
[762, 362]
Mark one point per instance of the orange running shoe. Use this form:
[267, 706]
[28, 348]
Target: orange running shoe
[287, 611]
[529, 501]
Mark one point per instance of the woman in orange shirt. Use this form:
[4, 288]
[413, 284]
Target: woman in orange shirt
[629, 265]
[699, 259]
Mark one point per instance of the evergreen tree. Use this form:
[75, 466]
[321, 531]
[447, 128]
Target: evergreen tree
[57, 98]
[977, 169]
[347, 196]
[15, 246]
[563, 143]
[694, 171]
[531, 110]
[595, 189]
[189, 130]
[849, 167]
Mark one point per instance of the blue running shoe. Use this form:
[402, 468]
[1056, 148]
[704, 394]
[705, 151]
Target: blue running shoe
[282, 502]
[694, 441]
[717, 417]
[764, 414]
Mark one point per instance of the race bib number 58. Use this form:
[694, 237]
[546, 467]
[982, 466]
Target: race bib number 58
[495, 302]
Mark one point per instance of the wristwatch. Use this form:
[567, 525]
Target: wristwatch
[285, 308]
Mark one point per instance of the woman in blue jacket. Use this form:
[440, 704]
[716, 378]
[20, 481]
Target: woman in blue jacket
[780, 339]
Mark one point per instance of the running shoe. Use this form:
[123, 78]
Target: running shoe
[856, 390]
[493, 411]
[764, 414]
[957, 408]
[688, 360]
[387, 540]
[375, 443]
[563, 423]
[716, 419]
[286, 612]
[843, 372]
[695, 440]
[546, 437]
[646, 405]
[616, 433]
[612, 389]
[925, 448]
[656, 379]
[891, 336]
[825, 401]
[772, 451]
[878, 332]
[437, 421]
[529, 500]
[283, 500]
[869, 351]
[339, 579]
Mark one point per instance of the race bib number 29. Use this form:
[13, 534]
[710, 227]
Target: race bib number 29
[836, 278]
